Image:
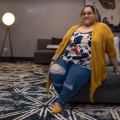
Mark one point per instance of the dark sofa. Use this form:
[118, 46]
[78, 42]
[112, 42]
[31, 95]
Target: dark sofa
[108, 92]
[43, 55]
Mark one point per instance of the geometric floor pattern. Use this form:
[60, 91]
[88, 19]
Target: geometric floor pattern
[23, 97]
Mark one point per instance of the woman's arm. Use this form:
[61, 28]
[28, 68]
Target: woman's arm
[111, 51]
[116, 67]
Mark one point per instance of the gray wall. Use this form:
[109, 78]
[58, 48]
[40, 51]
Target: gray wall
[37, 19]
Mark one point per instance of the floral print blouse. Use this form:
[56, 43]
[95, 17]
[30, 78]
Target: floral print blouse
[79, 49]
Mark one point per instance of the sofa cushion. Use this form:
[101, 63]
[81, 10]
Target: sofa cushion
[43, 56]
[107, 92]
[113, 80]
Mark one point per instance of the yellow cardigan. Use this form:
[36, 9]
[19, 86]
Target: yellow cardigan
[102, 42]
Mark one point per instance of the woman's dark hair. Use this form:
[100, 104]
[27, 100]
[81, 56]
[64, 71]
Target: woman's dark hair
[93, 9]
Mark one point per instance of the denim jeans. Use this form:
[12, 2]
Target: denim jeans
[68, 83]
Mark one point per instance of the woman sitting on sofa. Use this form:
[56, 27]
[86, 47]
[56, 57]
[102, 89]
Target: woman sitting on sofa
[80, 58]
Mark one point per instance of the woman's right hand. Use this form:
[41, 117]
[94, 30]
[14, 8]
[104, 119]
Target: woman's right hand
[52, 62]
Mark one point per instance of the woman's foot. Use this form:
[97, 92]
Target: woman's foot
[57, 108]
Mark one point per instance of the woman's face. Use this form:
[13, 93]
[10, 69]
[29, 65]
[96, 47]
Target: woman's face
[88, 16]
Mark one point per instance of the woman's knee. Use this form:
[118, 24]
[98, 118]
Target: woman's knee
[57, 69]
[57, 74]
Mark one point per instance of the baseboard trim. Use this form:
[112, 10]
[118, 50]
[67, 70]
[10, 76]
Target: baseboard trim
[14, 59]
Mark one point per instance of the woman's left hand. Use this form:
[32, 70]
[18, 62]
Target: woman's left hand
[117, 70]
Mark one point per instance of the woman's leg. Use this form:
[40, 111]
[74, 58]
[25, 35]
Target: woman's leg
[77, 77]
[58, 72]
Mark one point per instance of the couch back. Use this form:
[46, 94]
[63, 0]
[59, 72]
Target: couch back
[42, 43]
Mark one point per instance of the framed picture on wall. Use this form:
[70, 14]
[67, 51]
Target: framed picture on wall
[108, 12]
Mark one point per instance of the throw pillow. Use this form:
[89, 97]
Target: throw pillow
[116, 43]
[56, 41]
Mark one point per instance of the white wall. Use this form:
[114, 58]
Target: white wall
[37, 19]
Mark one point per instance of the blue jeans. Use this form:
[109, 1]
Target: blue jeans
[68, 82]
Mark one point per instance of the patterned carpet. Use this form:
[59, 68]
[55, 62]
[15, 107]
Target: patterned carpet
[23, 97]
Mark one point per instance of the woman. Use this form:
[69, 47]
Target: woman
[80, 58]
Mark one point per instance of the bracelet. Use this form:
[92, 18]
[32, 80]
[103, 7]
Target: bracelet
[115, 67]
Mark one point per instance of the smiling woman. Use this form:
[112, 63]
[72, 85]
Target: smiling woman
[80, 58]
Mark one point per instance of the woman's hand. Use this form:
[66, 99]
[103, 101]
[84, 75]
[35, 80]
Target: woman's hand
[116, 69]
[51, 63]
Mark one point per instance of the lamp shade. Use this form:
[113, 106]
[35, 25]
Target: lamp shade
[8, 19]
